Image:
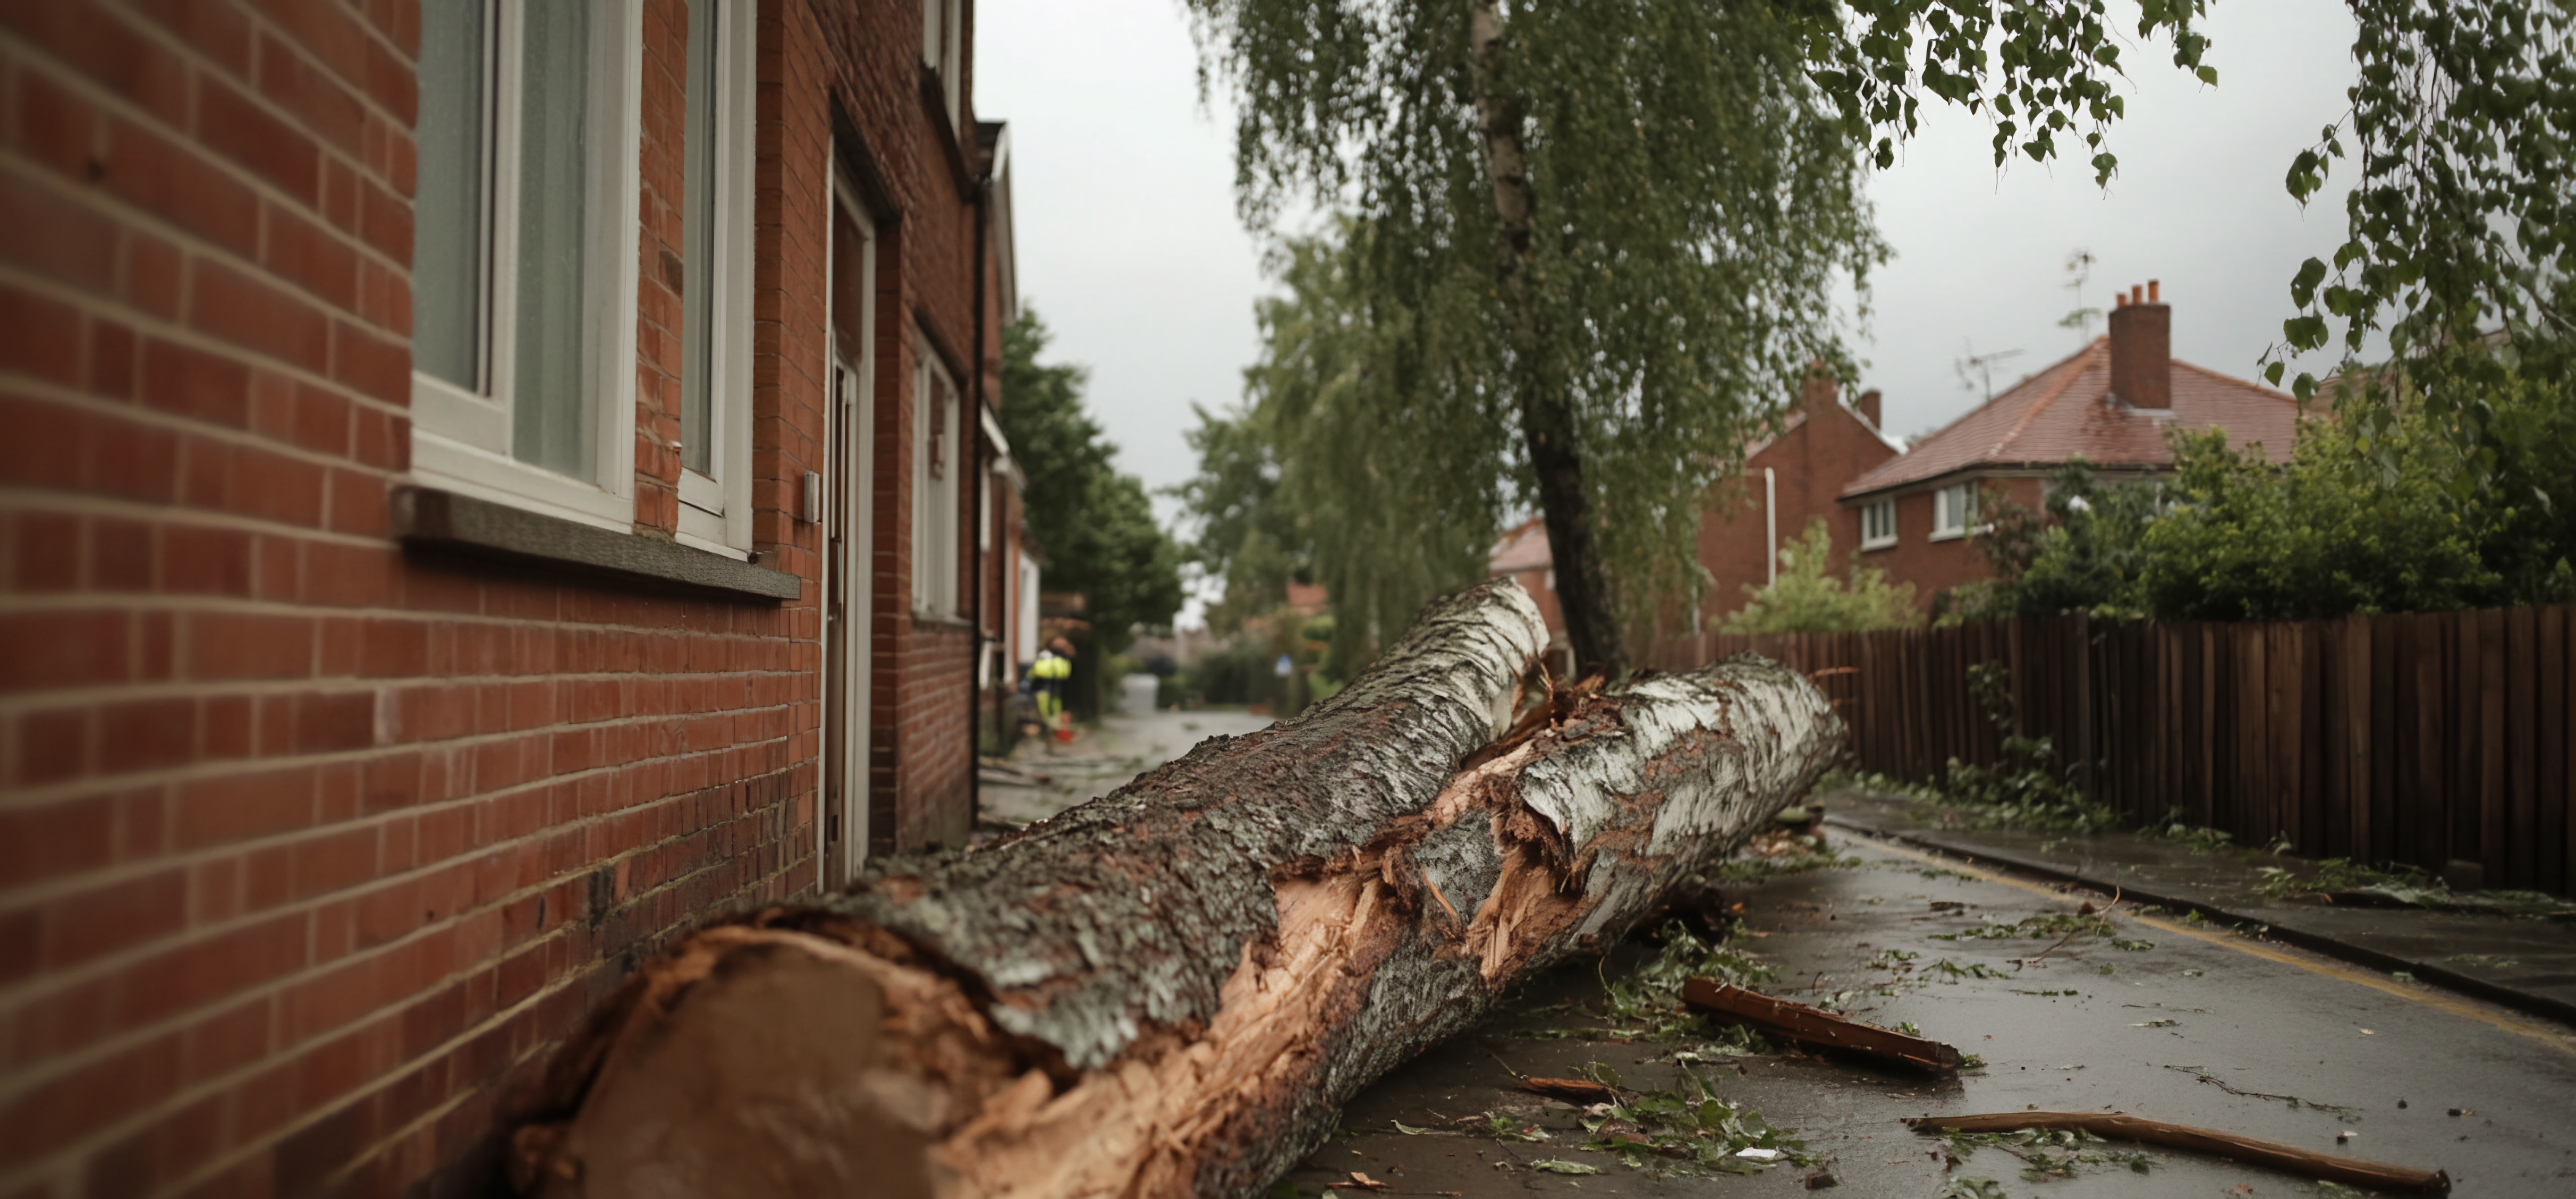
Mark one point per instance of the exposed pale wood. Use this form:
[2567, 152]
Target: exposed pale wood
[1172, 989]
[2306, 1163]
[1816, 1028]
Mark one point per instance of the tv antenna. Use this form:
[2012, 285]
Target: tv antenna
[2079, 268]
[1982, 365]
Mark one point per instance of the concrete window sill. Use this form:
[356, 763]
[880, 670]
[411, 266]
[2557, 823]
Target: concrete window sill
[433, 519]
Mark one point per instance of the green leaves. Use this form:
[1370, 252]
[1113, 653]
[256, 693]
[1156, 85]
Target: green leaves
[1696, 205]
[1805, 599]
[1095, 525]
[2463, 123]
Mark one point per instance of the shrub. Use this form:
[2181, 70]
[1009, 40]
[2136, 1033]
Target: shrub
[1803, 599]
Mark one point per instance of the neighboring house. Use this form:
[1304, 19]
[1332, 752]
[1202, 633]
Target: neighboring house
[1787, 481]
[490, 486]
[2110, 403]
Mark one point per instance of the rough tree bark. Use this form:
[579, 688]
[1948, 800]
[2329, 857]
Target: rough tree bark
[1172, 989]
[1549, 432]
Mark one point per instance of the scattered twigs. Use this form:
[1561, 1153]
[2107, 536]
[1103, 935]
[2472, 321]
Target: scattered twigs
[1571, 1090]
[2043, 954]
[2306, 1163]
[1800, 1024]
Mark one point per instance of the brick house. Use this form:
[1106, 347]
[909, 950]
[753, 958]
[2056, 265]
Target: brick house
[1788, 480]
[490, 486]
[2110, 403]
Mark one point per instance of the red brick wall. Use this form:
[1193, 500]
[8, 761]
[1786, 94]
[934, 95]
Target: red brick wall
[1810, 466]
[311, 846]
[1936, 566]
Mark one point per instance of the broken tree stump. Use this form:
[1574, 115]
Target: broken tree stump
[1171, 990]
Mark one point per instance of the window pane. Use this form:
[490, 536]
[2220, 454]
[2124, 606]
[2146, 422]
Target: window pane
[554, 421]
[450, 264]
[698, 245]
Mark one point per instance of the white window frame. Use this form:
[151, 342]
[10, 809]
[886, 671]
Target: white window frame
[1954, 510]
[1878, 524]
[936, 459]
[460, 437]
[715, 510]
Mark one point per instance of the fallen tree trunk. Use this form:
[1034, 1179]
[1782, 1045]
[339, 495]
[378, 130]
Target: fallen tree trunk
[1172, 989]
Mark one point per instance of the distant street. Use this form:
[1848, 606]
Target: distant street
[2186, 1023]
[1044, 778]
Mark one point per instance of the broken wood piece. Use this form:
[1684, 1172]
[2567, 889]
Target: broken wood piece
[1572, 1090]
[1172, 989]
[1816, 1028]
[2290, 1159]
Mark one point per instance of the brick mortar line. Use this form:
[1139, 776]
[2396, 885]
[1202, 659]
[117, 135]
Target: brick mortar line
[498, 1017]
[25, 499]
[22, 702]
[21, 798]
[27, 991]
[177, 601]
[72, 77]
[107, 1136]
[177, 333]
[30, 894]
[187, 241]
[259, 18]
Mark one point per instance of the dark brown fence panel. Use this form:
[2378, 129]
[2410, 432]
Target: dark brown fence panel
[2434, 739]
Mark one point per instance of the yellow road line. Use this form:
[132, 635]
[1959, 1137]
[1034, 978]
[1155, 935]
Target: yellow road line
[2439, 1000]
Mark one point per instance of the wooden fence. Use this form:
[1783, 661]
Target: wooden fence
[2434, 740]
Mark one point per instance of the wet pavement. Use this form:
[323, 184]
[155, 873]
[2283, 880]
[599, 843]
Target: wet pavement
[2524, 958]
[2181, 1021]
[1042, 778]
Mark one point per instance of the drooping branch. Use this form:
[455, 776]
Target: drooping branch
[1172, 989]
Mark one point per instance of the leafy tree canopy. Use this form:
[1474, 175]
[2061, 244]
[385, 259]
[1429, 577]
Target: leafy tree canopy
[1093, 526]
[1692, 202]
[1343, 467]
[1623, 215]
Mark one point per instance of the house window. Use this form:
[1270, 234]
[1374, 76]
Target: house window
[1878, 524]
[1953, 510]
[524, 254]
[935, 465]
[715, 283]
[943, 39]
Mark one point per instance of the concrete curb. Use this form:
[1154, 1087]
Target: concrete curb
[2531, 1003]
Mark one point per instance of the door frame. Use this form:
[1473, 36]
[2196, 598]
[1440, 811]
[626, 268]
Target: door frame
[849, 582]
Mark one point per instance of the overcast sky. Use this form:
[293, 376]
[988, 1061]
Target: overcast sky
[1129, 244]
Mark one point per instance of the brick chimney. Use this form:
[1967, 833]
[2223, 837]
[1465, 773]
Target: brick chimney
[1867, 406]
[1817, 392]
[2142, 349]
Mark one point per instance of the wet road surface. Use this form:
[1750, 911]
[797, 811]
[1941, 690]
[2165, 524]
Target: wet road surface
[2191, 1024]
[1044, 778]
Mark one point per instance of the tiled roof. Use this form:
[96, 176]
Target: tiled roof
[1522, 548]
[2067, 410]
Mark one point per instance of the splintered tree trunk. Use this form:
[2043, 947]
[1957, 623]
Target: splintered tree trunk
[1171, 990]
